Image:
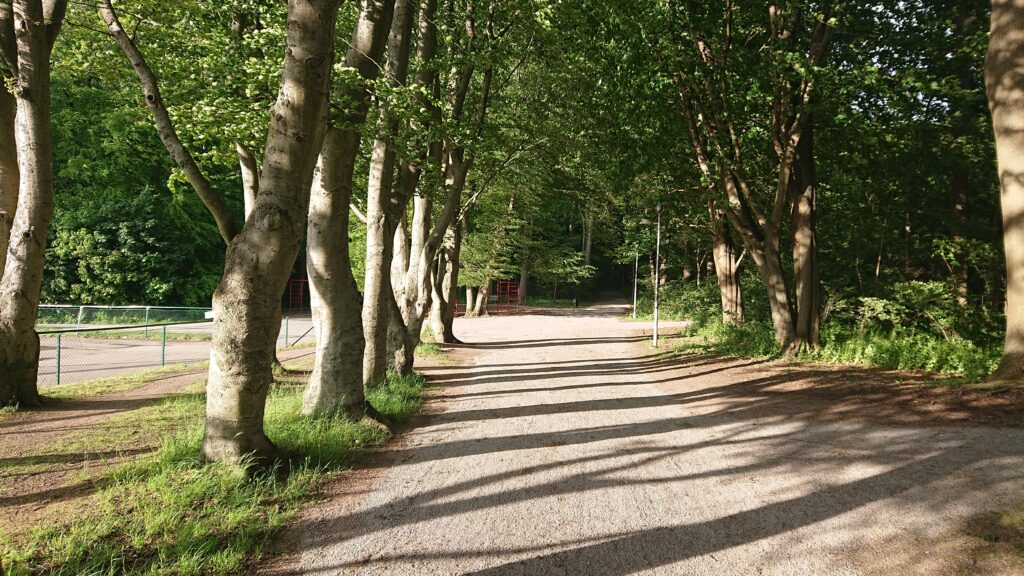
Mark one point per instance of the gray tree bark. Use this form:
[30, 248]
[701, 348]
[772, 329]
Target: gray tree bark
[8, 169]
[446, 284]
[415, 285]
[482, 299]
[31, 27]
[726, 268]
[259, 261]
[806, 276]
[379, 233]
[336, 384]
[1004, 83]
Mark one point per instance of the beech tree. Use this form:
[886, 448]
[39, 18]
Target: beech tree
[28, 30]
[706, 88]
[1004, 82]
[244, 310]
[336, 384]
[379, 298]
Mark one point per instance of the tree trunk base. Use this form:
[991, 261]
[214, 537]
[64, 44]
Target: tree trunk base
[375, 418]
[19, 370]
[257, 452]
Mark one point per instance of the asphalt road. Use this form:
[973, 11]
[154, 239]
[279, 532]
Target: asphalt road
[85, 356]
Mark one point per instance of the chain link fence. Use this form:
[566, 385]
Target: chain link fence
[81, 343]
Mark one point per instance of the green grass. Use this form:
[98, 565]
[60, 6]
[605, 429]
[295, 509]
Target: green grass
[169, 514]
[886, 349]
[429, 350]
[108, 385]
[118, 383]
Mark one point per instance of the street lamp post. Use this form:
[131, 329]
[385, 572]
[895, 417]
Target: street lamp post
[657, 276]
[636, 268]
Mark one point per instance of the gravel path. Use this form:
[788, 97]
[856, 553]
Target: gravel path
[569, 448]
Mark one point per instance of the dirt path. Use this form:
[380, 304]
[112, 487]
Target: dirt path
[569, 448]
[37, 471]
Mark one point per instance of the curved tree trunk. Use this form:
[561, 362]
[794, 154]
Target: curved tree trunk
[379, 232]
[769, 262]
[1004, 83]
[806, 279]
[260, 259]
[336, 383]
[36, 29]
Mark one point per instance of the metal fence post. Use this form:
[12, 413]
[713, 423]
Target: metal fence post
[58, 359]
[163, 348]
[146, 324]
[79, 323]
[285, 331]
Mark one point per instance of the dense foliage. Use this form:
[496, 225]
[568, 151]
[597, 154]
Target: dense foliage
[583, 137]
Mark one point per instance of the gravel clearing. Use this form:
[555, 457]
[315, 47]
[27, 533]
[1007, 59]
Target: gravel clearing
[569, 447]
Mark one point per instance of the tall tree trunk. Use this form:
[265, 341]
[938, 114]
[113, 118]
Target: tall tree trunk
[805, 250]
[963, 117]
[400, 345]
[687, 261]
[250, 170]
[440, 274]
[336, 384]
[260, 259]
[768, 259]
[417, 280]
[446, 286]
[1004, 83]
[34, 29]
[379, 232]
[416, 284]
[8, 170]
[727, 269]
[482, 299]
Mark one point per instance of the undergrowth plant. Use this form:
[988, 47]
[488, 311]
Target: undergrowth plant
[912, 326]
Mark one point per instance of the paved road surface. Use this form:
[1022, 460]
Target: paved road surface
[83, 357]
[569, 449]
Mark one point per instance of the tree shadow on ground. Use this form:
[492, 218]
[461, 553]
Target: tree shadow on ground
[830, 419]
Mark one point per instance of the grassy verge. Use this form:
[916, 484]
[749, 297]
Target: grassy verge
[886, 349]
[120, 383]
[169, 514]
[108, 385]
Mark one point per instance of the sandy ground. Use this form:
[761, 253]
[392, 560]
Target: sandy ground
[569, 447]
